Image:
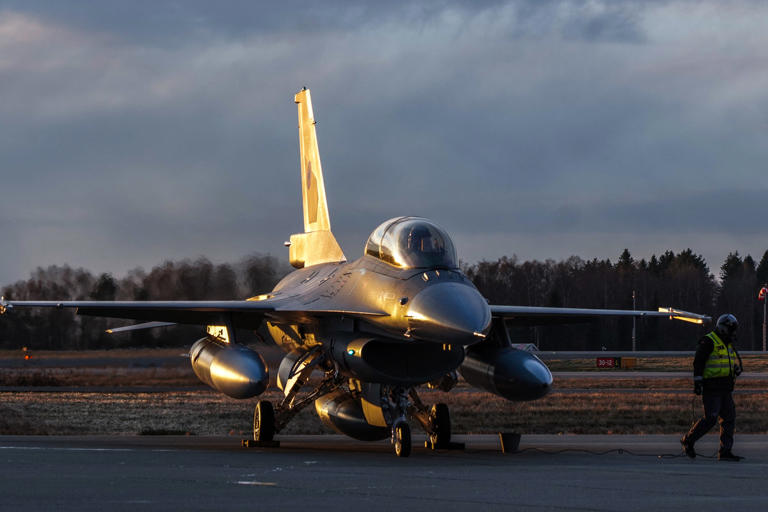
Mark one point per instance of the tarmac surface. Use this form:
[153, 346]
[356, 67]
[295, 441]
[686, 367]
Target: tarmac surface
[603, 473]
[635, 375]
[640, 354]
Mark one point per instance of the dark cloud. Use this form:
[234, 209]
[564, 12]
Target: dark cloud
[155, 21]
[138, 131]
[675, 213]
[161, 22]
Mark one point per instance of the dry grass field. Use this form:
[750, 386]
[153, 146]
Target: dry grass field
[175, 376]
[46, 400]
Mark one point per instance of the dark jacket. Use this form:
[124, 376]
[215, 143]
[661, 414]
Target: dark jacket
[705, 348]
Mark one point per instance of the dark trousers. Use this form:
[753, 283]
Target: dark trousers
[716, 404]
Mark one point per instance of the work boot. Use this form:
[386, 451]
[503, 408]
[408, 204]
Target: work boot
[688, 448]
[729, 456]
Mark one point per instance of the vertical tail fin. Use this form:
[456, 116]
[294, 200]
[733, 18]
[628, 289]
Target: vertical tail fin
[317, 244]
[312, 186]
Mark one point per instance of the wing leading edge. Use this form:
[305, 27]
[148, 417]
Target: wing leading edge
[532, 315]
[241, 313]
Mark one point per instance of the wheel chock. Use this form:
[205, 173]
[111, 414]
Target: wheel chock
[510, 441]
[251, 443]
[445, 446]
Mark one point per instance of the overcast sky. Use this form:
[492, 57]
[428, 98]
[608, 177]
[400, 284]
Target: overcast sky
[133, 132]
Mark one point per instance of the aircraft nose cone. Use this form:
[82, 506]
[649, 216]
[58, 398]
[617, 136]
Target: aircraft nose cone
[449, 313]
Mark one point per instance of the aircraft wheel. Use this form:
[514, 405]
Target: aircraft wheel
[440, 426]
[401, 434]
[264, 421]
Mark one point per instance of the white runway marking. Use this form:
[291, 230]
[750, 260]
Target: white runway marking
[70, 449]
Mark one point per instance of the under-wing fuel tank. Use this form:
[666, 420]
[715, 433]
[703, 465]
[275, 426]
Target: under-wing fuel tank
[505, 371]
[235, 370]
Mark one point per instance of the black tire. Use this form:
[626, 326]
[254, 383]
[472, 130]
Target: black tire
[402, 437]
[440, 425]
[264, 422]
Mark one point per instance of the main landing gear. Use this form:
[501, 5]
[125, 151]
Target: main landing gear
[439, 428]
[269, 420]
[264, 422]
[264, 427]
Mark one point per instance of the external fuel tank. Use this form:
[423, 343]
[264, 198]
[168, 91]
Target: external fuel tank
[235, 370]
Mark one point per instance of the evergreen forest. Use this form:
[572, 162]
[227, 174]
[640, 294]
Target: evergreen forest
[682, 280]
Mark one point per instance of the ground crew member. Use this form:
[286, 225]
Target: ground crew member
[715, 368]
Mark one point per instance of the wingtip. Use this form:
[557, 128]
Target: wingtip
[685, 316]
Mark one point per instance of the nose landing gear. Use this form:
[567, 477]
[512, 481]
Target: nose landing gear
[398, 403]
[401, 438]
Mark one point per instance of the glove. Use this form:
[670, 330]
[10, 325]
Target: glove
[698, 386]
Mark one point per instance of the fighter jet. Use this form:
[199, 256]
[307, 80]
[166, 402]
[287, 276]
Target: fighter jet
[360, 336]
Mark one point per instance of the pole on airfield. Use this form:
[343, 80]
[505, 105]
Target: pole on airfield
[634, 324]
[763, 296]
[765, 313]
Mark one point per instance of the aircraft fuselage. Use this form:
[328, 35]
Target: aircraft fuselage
[416, 325]
[438, 305]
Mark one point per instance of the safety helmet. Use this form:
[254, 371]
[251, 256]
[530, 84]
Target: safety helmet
[727, 324]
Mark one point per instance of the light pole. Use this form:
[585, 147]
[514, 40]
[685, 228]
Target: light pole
[634, 324]
[763, 296]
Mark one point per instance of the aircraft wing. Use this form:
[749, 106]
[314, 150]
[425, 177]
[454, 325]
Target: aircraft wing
[241, 313]
[532, 315]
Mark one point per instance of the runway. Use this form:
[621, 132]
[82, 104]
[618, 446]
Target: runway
[637, 375]
[640, 354]
[324, 472]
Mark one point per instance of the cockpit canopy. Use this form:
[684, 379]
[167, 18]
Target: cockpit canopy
[412, 242]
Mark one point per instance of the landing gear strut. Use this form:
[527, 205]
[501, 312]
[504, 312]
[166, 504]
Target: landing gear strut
[269, 420]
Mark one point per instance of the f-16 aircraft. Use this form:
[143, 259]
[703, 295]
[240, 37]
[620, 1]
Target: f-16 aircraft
[402, 315]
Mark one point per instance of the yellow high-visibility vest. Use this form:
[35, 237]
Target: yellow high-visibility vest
[721, 361]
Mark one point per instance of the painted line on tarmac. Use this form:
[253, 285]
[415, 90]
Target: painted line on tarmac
[60, 449]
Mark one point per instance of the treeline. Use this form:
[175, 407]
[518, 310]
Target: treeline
[173, 280]
[681, 280]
